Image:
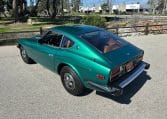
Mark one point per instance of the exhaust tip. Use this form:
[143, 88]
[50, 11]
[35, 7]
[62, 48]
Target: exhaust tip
[117, 92]
[147, 66]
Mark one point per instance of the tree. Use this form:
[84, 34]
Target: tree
[19, 7]
[52, 7]
[15, 9]
[2, 3]
[33, 7]
[153, 5]
[66, 5]
[56, 8]
[109, 2]
[75, 4]
[161, 6]
[104, 6]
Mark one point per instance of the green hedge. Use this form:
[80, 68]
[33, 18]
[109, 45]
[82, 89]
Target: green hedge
[94, 20]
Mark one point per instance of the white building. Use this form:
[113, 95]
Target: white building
[133, 6]
[128, 8]
[86, 9]
[115, 7]
[121, 8]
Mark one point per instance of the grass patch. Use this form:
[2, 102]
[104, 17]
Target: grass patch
[3, 30]
[22, 27]
[6, 26]
[27, 27]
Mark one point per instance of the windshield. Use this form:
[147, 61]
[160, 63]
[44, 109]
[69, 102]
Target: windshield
[103, 40]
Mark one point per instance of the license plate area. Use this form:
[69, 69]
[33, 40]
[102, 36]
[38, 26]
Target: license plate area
[129, 66]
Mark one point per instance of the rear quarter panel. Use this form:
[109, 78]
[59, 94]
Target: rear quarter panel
[86, 63]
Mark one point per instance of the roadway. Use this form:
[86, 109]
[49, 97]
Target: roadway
[33, 92]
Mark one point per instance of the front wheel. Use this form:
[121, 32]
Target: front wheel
[25, 57]
[71, 81]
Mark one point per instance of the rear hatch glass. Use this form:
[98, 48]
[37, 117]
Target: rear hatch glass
[103, 40]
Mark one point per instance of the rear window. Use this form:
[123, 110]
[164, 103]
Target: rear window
[103, 40]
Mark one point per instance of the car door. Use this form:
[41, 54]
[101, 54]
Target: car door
[48, 50]
[66, 55]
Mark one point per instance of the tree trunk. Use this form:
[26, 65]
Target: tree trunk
[48, 6]
[15, 9]
[62, 7]
[54, 9]
[77, 5]
[21, 10]
[36, 6]
[68, 5]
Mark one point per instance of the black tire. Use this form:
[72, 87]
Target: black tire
[25, 57]
[71, 81]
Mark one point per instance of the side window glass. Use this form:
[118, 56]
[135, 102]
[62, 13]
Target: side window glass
[52, 38]
[67, 43]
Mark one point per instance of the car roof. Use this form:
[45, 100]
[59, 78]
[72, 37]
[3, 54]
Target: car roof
[76, 29]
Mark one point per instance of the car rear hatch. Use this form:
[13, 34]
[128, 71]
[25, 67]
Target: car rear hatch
[123, 55]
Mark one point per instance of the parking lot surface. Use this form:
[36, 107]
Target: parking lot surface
[33, 92]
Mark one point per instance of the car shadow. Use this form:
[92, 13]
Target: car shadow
[86, 92]
[129, 91]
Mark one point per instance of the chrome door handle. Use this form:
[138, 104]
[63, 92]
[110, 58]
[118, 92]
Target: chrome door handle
[51, 55]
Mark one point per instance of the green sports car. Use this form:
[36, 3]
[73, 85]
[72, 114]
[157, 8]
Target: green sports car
[86, 57]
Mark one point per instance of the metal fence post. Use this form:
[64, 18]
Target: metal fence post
[117, 30]
[41, 30]
[147, 29]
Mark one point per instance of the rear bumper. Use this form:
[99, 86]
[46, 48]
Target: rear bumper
[116, 88]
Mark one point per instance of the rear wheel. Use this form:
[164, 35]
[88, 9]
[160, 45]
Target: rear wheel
[25, 57]
[71, 81]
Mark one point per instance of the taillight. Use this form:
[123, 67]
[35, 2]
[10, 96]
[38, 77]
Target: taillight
[116, 72]
[138, 59]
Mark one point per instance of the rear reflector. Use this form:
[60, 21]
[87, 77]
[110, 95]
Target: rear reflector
[100, 77]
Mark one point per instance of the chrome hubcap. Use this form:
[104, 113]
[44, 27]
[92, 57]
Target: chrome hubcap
[23, 53]
[69, 81]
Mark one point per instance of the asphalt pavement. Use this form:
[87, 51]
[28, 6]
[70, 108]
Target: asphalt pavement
[33, 92]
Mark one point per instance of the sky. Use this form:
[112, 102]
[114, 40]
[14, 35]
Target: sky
[90, 3]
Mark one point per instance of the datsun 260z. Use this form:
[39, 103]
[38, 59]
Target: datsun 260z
[86, 57]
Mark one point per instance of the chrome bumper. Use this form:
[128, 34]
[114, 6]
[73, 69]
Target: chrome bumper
[117, 88]
[133, 76]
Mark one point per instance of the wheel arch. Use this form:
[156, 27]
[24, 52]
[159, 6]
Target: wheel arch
[19, 45]
[61, 65]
